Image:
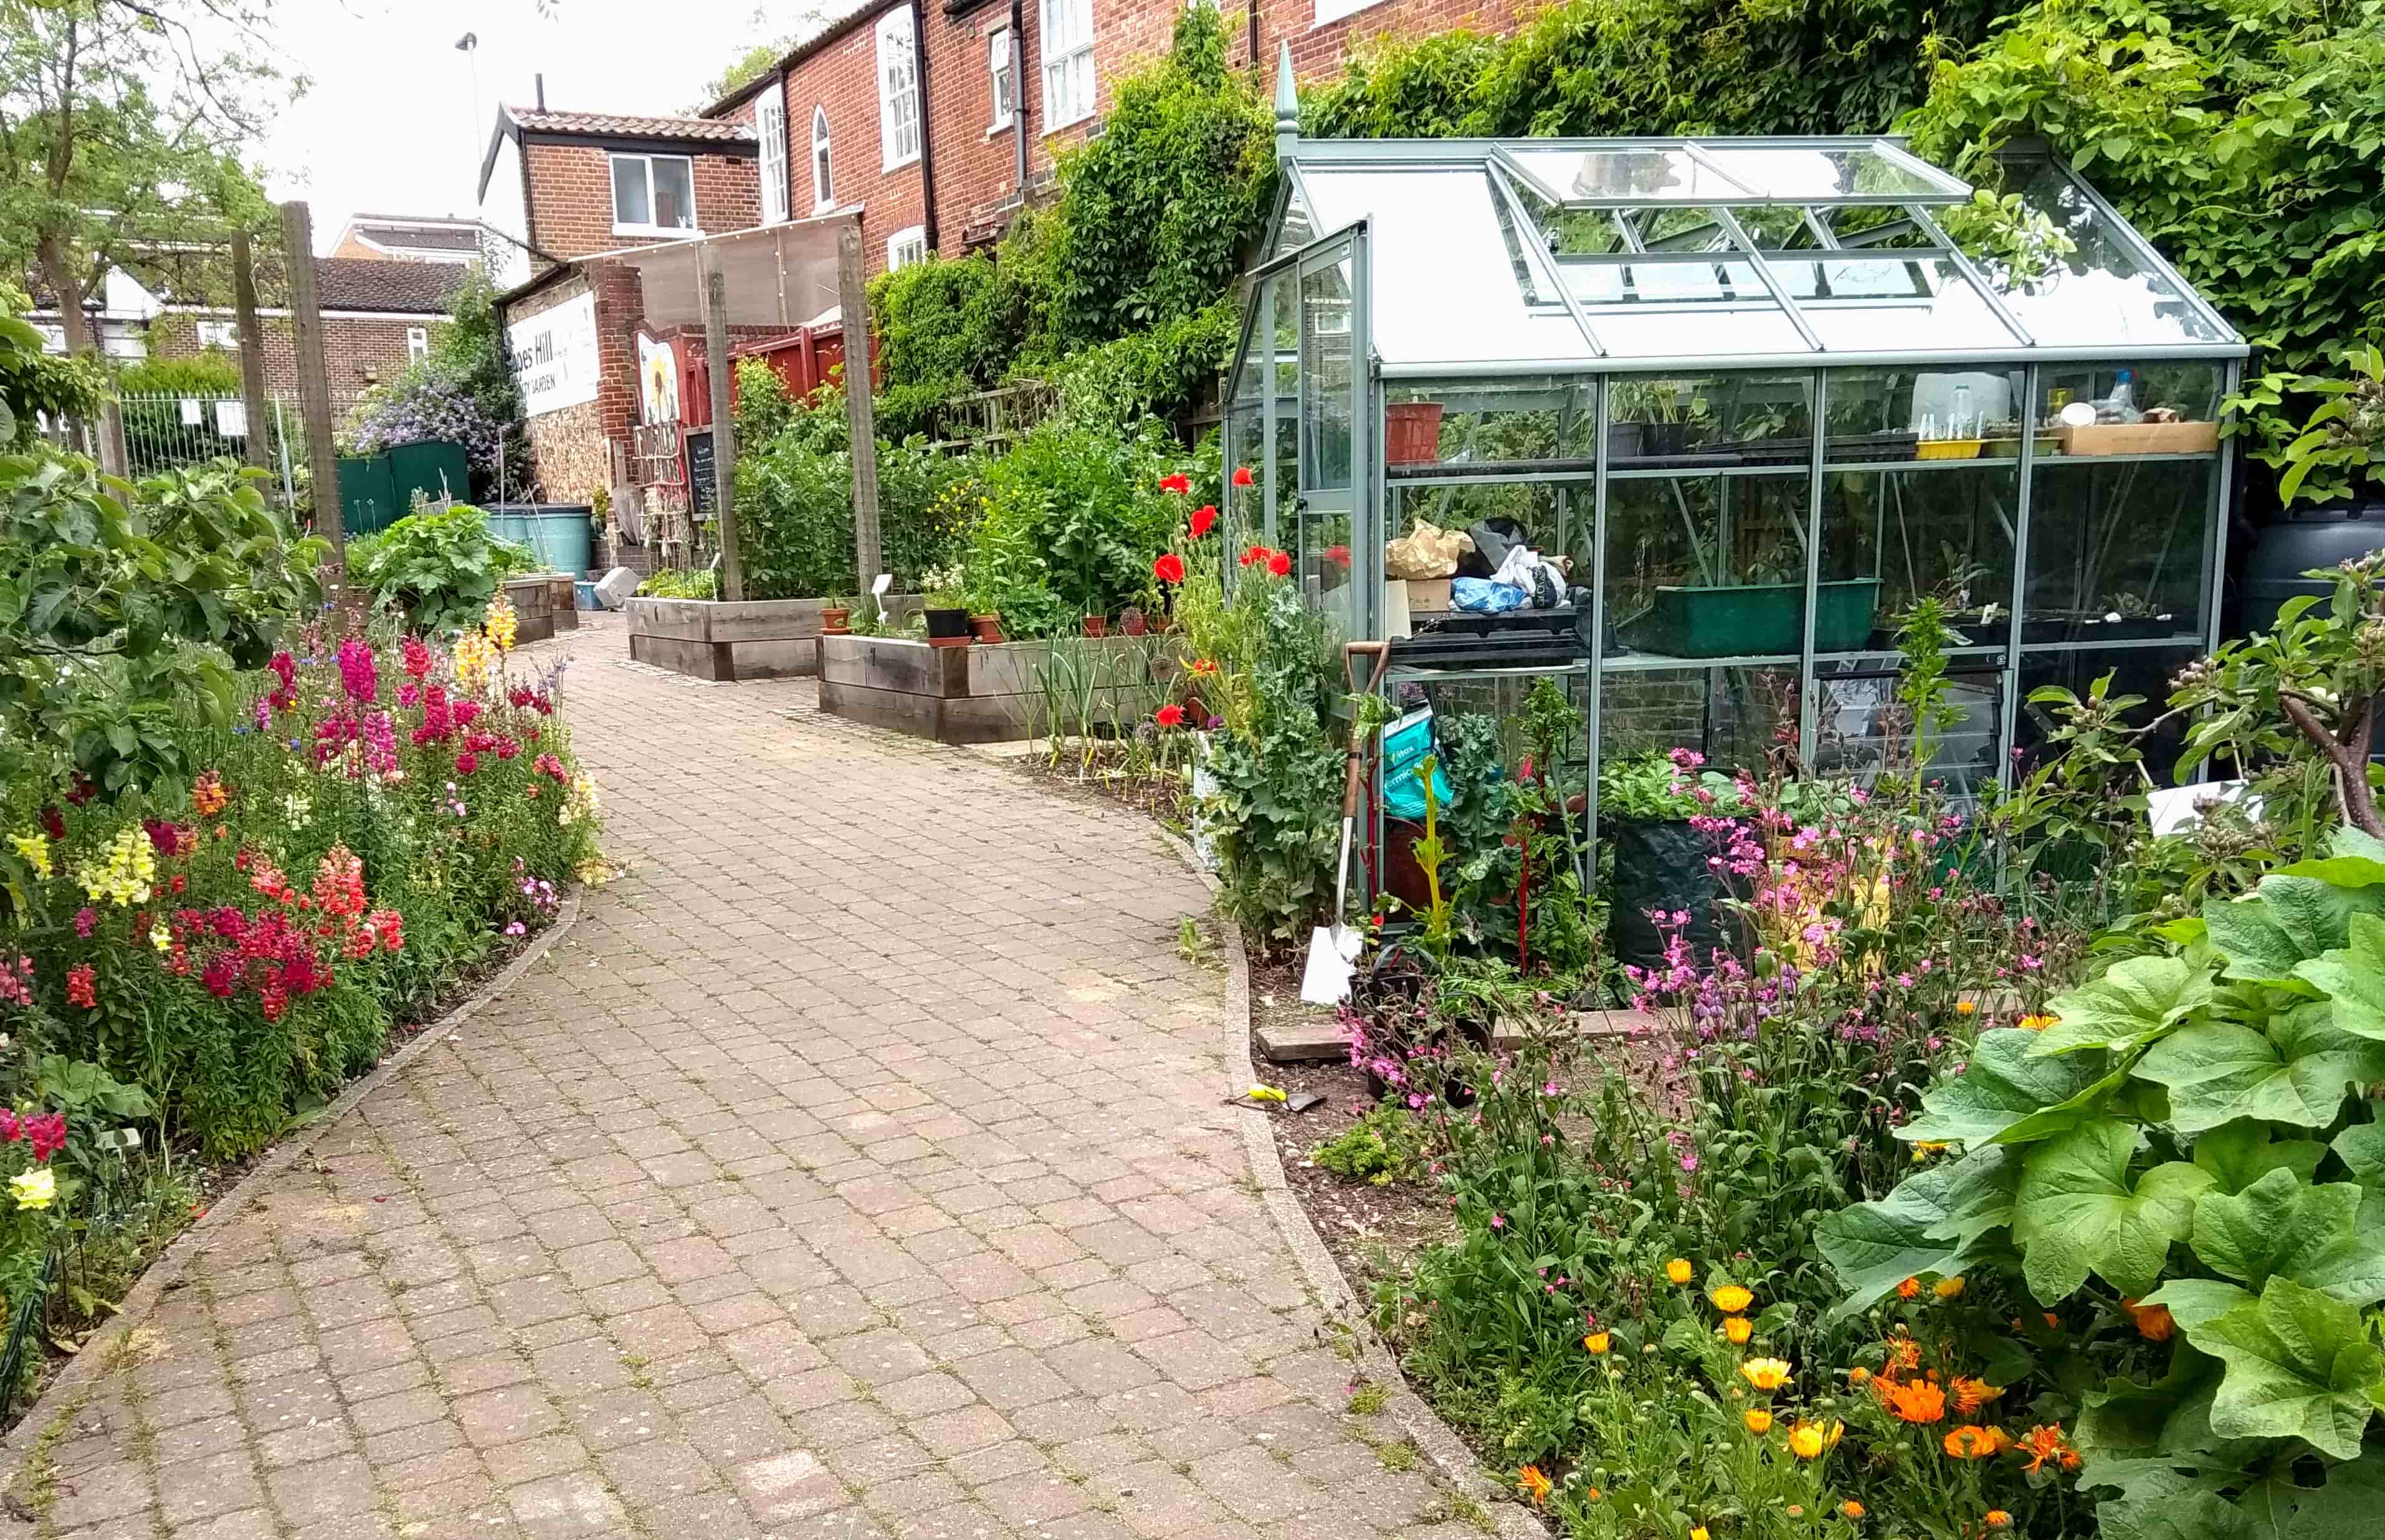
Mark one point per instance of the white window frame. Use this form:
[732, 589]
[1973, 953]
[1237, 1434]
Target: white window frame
[771, 129]
[614, 158]
[898, 90]
[417, 343]
[1069, 89]
[1002, 78]
[219, 334]
[823, 162]
[905, 247]
[1330, 11]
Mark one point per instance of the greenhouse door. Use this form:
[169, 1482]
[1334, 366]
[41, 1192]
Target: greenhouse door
[1337, 576]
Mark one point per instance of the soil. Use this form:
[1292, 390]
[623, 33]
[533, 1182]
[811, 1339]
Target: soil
[1101, 772]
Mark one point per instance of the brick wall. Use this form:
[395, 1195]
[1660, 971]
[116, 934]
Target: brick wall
[571, 198]
[843, 78]
[356, 352]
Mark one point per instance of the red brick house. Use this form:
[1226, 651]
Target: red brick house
[377, 317]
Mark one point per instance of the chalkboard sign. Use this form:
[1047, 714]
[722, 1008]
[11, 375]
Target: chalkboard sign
[702, 489]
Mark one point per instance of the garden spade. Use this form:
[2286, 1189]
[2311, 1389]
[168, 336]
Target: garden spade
[1333, 948]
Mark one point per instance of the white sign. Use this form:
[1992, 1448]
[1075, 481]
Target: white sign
[194, 414]
[232, 418]
[554, 356]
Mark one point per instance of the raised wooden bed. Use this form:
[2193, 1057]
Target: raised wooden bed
[713, 639]
[534, 602]
[980, 694]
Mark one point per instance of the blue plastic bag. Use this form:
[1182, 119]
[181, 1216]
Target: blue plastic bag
[1483, 596]
[1406, 743]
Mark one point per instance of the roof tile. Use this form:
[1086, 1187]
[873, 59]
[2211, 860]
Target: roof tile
[531, 120]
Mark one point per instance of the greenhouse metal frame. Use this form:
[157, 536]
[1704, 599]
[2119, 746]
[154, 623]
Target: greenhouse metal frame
[1814, 359]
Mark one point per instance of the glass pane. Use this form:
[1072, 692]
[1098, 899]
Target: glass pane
[1927, 529]
[1708, 566]
[1484, 422]
[1283, 490]
[1328, 375]
[2078, 282]
[674, 194]
[1243, 508]
[1882, 413]
[1645, 174]
[1724, 333]
[2116, 549]
[1849, 171]
[630, 206]
[1299, 225]
[1891, 305]
[1735, 717]
[1558, 518]
[2137, 396]
[2145, 671]
[1710, 420]
[1445, 272]
[1862, 730]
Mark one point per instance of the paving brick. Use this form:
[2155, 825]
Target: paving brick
[986, 1275]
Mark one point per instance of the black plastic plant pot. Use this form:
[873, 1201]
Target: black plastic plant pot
[1660, 865]
[948, 622]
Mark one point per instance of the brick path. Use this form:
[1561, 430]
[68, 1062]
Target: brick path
[857, 1167]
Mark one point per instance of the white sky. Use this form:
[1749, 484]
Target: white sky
[388, 125]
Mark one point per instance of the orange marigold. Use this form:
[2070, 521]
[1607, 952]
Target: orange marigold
[1758, 1421]
[1972, 1442]
[1912, 1400]
[1731, 1298]
[1533, 1485]
[2154, 1324]
[1737, 1330]
[1970, 1395]
[2045, 1443]
[1903, 1355]
[1851, 1509]
[1858, 1375]
[1598, 1341]
[2038, 1023]
[1996, 1518]
[1909, 1289]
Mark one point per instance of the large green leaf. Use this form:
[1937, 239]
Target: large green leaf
[2361, 1148]
[2238, 1154]
[2353, 977]
[2217, 1072]
[2280, 1224]
[2348, 1505]
[2078, 1212]
[1928, 1224]
[2252, 937]
[2300, 1365]
[2354, 861]
[2132, 1002]
[2317, 915]
[2194, 1303]
[1999, 1086]
[2128, 1420]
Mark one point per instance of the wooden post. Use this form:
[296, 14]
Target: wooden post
[853, 312]
[252, 350]
[314, 380]
[724, 427]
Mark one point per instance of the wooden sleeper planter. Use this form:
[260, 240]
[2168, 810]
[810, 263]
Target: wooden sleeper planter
[991, 693]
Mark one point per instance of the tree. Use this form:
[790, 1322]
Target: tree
[464, 390]
[122, 124]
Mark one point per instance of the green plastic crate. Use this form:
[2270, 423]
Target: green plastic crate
[1758, 622]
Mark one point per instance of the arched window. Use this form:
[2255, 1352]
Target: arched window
[823, 179]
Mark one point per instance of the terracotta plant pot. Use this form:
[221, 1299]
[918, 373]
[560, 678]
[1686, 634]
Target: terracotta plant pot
[836, 623]
[1097, 625]
[1412, 432]
[1132, 623]
[987, 628]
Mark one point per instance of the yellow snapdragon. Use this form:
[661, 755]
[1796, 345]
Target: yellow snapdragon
[35, 850]
[501, 624]
[128, 875]
[475, 656]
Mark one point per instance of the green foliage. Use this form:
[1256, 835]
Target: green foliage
[1152, 215]
[2242, 137]
[119, 606]
[669, 585]
[1655, 66]
[1380, 1148]
[214, 373]
[2192, 1132]
[1654, 788]
[950, 324]
[1160, 372]
[1073, 516]
[439, 570]
[33, 381]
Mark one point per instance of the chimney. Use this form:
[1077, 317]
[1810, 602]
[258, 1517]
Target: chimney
[541, 78]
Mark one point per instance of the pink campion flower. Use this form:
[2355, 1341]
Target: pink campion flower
[1498, 1221]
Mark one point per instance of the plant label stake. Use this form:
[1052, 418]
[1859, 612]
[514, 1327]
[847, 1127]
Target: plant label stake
[1332, 949]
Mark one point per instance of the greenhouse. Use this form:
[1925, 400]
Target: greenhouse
[1739, 403]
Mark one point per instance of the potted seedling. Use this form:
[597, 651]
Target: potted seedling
[836, 616]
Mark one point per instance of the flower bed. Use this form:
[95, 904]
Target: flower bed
[198, 965]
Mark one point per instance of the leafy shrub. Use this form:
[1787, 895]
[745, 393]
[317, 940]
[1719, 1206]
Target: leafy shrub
[667, 584]
[1073, 515]
[439, 570]
[464, 393]
[214, 373]
[1380, 1148]
[2183, 1145]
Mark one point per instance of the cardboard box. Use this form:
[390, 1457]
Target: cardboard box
[2141, 438]
[1427, 595]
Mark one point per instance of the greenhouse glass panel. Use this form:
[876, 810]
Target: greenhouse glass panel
[1737, 717]
[1713, 566]
[1627, 177]
[2078, 282]
[2145, 671]
[1932, 527]
[1835, 173]
[1486, 424]
[1283, 361]
[1885, 415]
[2116, 550]
[1863, 731]
[1709, 421]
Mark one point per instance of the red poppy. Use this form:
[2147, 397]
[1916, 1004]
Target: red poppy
[1178, 482]
[1170, 716]
[1204, 518]
[1338, 554]
[1255, 555]
[1169, 568]
[1241, 475]
[1280, 563]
